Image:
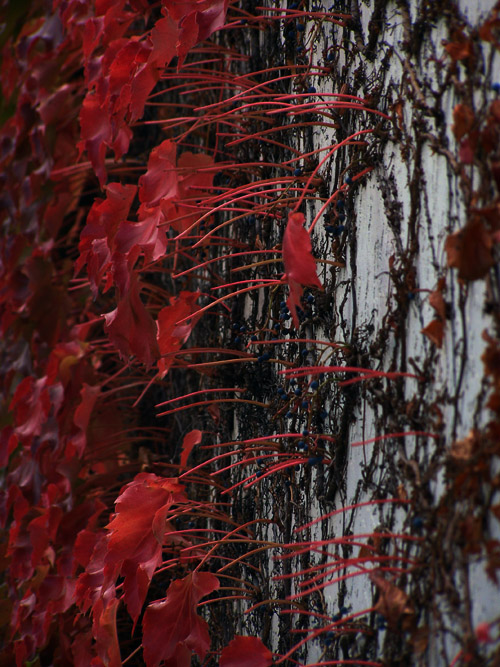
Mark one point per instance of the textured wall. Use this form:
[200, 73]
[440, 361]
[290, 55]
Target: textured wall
[398, 306]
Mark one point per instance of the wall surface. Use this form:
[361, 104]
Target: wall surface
[416, 293]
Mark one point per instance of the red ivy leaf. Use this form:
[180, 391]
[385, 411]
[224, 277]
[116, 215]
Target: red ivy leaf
[97, 240]
[172, 625]
[196, 20]
[146, 234]
[140, 512]
[191, 439]
[137, 531]
[82, 416]
[131, 328]
[300, 265]
[31, 406]
[164, 37]
[160, 180]
[193, 177]
[97, 134]
[105, 632]
[171, 336]
[246, 652]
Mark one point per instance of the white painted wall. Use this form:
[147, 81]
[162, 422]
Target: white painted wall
[369, 297]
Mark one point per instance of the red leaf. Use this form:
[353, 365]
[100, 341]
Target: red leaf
[191, 439]
[300, 265]
[211, 17]
[131, 328]
[97, 240]
[42, 530]
[160, 180]
[196, 20]
[245, 652]
[139, 514]
[105, 632]
[164, 37]
[172, 625]
[466, 151]
[137, 532]
[146, 234]
[97, 134]
[31, 405]
[193, 177]
[131, 79]
[171, 336]
[82, 416]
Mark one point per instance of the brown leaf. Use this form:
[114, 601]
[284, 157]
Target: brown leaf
[437, 302]
[393, 603]
[495, 110]
[463, 120]
[469, 250]
[434, 332]
[462, 450]
[420, 640]
[460, 48]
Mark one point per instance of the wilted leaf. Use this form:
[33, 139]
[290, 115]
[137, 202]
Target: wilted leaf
[470, 250]
[434, 332]
[436, 300]
[463, 450]
[463, 120]
[461, 47]
[171, 626]
[245, 652]
[393, 603]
